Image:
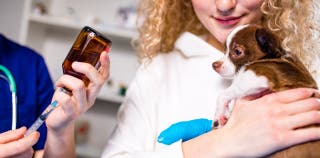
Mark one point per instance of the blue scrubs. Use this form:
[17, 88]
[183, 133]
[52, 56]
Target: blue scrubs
[34, 87]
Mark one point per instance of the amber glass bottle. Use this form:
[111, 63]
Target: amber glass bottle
[87, 48]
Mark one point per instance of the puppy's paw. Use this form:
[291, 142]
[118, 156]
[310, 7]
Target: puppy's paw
[219, 122]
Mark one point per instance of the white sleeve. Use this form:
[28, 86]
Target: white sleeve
[135, 135]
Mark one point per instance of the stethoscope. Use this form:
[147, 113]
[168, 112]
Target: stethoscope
[9, 78]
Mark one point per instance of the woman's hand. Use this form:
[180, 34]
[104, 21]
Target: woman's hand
[13, 144]
[82, 98]
[259, 127]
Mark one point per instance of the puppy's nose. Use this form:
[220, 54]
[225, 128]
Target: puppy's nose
[217, 65]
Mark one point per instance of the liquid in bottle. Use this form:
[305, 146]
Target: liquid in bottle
[87, 48]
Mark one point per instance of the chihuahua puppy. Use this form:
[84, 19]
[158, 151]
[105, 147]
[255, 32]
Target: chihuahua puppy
[258, 65]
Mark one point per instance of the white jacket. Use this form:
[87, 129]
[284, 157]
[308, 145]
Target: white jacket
[177, 86]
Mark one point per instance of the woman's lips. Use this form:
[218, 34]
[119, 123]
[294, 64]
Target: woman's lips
[228, 21]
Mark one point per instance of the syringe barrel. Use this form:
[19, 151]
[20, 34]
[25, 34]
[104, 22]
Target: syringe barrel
[41, 118]
[34, 126]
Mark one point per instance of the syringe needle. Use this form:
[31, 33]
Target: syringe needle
[41, 118]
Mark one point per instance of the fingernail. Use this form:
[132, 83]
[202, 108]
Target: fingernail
[215, 124]
[316, 94]
[75, 64]
[107, 49]
[22, 128]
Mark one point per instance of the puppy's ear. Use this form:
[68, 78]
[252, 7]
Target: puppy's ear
[268, 43]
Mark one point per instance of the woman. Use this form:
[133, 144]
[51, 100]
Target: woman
[178, 42]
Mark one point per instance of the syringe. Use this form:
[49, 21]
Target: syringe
[41, 118]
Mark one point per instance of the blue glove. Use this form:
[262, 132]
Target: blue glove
[185, 130]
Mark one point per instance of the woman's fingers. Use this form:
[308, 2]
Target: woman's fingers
[302, 120]
[66, 103]
[12, 135]
[69, 106]
[79, 92]
[304, 135]
[292, 95]
[95, 82]
[105, 65]
[301, 106]
[297, 108]
[18, 146]
[275, 119]
[97, 77]
[26, 154]
[77, 87]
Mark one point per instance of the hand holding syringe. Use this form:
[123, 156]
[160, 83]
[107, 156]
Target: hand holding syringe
[87, 48]
[40, 120]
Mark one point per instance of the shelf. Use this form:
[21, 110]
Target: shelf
[56, 21]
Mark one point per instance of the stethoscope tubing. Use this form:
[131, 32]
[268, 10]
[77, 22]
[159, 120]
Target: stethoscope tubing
[13, 89]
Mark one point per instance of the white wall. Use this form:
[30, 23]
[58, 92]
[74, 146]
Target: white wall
[12, 12]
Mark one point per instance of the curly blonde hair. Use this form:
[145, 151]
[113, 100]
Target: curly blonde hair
[164, 20]
[295, 21]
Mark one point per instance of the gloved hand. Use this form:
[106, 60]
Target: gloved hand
[184, 130]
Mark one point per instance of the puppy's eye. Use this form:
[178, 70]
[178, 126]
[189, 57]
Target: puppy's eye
[236, 53]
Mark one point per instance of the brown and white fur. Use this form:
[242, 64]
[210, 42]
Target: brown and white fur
[257, 64]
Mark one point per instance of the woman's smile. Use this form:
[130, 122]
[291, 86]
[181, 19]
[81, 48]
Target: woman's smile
[227, 21]
[219, 17]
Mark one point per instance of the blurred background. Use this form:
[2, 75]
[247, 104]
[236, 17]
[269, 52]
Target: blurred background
[51, 26]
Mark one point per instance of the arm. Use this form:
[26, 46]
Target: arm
[60, 124]
[271, 123]
[266, 125]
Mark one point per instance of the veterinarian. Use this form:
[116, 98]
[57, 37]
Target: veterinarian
[178, 42]
[21, 105]
[34, 91]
